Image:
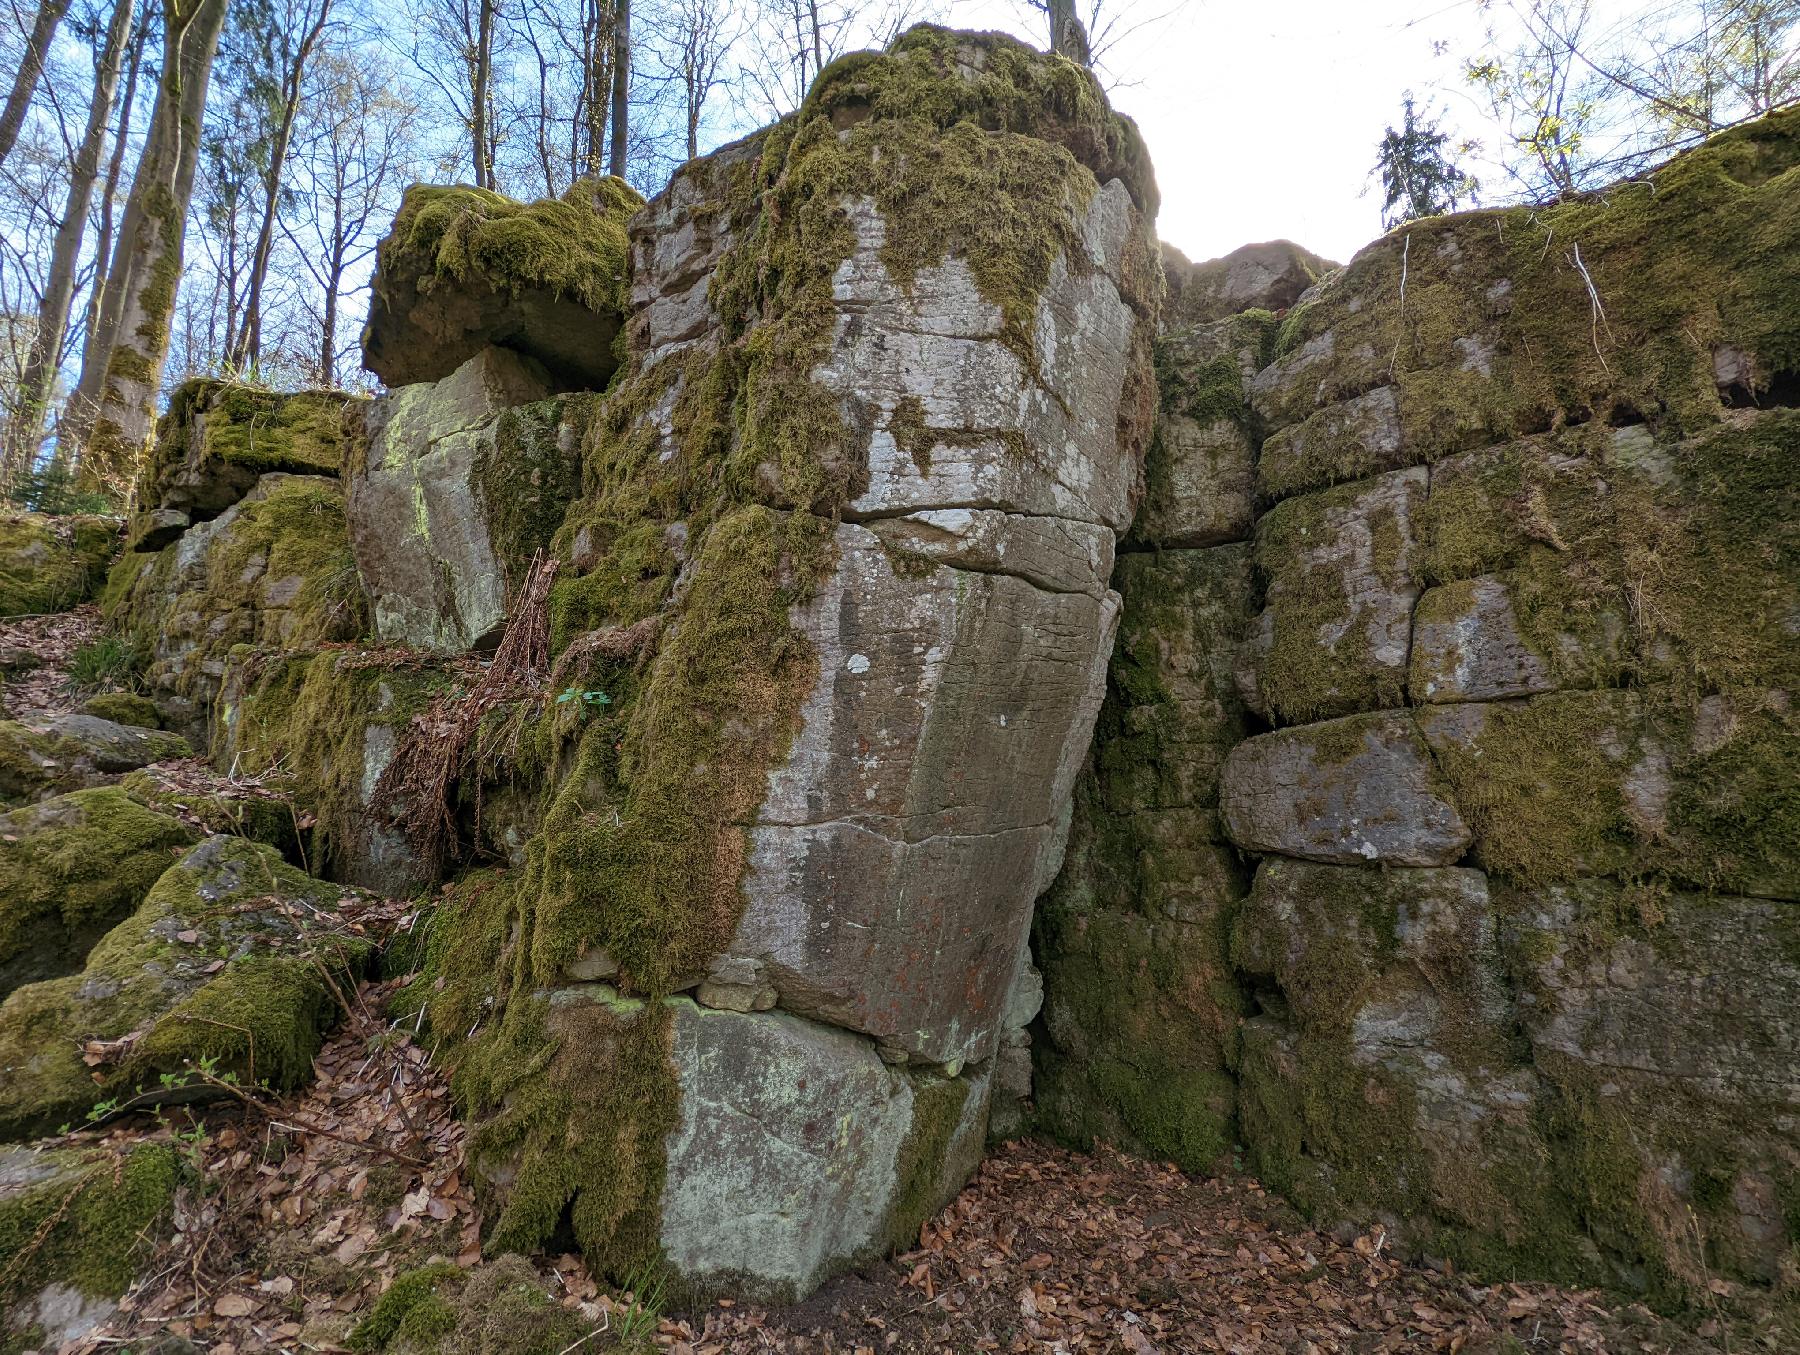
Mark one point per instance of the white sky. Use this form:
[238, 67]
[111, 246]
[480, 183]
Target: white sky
[1263, 116]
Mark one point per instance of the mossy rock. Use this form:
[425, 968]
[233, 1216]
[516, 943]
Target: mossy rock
[76, 1222]
[327, 726]
[464, 268]
[50, 564]
[219, 437]
[1694, 265]
[260, 814]
[275, 569]
[123, 708]
[1268, 277]
[70, 869]
[69, 752]
[499, 1308]
[234, 962]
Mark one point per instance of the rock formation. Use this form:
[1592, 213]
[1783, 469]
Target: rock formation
[1506, 737]
[785, 634]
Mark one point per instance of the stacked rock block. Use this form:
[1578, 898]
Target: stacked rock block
[1141, 1006]
[829, 634]
[1522, 944]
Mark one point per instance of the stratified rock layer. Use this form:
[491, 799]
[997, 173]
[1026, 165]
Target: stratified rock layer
[1514, 975]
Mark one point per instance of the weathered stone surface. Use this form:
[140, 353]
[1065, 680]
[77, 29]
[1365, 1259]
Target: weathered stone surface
[464, 269]
[1199, 473]
[450, 467]
[1174, 711]
[1336, 634]
[49, 564]
[1360, 789]
[961, 644]
[1467, 645]
[799, 1152]
[74, 1224]
[332, 727]
[70, 868]
[155, 978]
[1667, 1021]
[1341, 442]
[68, 752]
[219, 438]
[1268, 277]
[274, 570]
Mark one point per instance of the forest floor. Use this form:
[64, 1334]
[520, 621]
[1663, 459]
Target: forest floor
[300, 1211]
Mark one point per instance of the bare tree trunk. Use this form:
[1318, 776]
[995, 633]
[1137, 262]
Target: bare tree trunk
[39, 380]
[480, 133]
[114, 411]
[596, 82]
[621, 85]
[31, 67]
[248, 347]
[818, 43]
[1067, 36]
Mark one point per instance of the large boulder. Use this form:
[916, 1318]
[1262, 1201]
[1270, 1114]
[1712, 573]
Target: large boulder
[49, 564]
[464, 268]
[457, 484]
[234, 961]
[274, 571]
[70, 869]
[218, 438]
[72, 751]
[1268, 277]
[832, 629]
[75, 1224]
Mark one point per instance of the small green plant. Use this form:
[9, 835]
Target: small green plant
[647, 1287]
[110, 661]
[52, 491]
[591, 700]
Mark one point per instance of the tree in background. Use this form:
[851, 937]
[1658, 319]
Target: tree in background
[37, 379]
[1419, 176]
[31, 70]
[114, 407]
[1584, 102]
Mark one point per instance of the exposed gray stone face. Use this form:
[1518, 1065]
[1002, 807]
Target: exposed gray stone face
[962, 642]
[1360, 789]
[68, 752]
[1467, 646]
[419, 525]
[1336, 633]
[1270, 276]
[795, 1142]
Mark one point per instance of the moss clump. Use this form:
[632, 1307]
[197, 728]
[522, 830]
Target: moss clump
[257, 813]
[234, 957]
[329, 723]
[79, 1217]
[1340, 593]
[1498, 336]
[50, 564]
[125, 708]
[572, 246]
[219, 436]
[71, 868]
[413, 1310]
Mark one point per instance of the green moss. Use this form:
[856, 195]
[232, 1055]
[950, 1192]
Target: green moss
[126, 708]
[50, 564]
[254, 988]
[412, 1309]
[574, 246]
[308, 715]
[1686, 260]
[71, 868]
[526, 475]
[938, 1107]
[81, 1218]
[257, 813]
[1338, 566]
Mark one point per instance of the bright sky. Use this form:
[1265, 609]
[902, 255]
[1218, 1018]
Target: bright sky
[1263, 116]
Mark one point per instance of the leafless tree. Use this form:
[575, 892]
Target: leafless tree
[31, 69]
